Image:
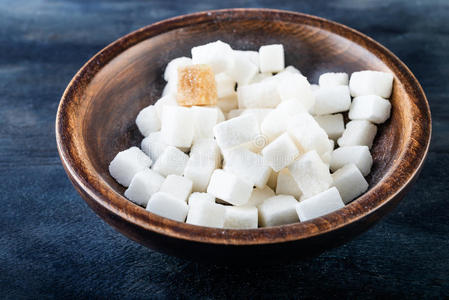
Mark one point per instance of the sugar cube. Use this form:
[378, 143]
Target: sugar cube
[280, 153]
[200, 197]
[333, 125]
[272, 180]
[258, 195]
[128, 163]
[319, 205]
[236, 131]
[196, 86]
[147, 120]
[225, 85]
[171, 161]
[243, 69]
[260, 77]
[177, 128]
[349, 182]
[311, 174]
[308, 134]
[253, 56]
[332, 99]
[278, 210]
[359, 155]
[204, 159]
[228, 103]
[276, 122]
[295, 86]
[178, 186]
[240, 217]
[258, 95]
[171, 71]
[248, 166]
[287, 185]
[204, 213]
[371, 83]
[204, 119]
[230, 188]
[271, 58]
[333, 79]
[144, 184]
[153, 145]
[167, 100]
[217, 54]
[372, 108]
[358, 133]
[168, 206]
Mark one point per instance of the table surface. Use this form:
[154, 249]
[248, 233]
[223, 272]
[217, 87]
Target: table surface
[53, 245]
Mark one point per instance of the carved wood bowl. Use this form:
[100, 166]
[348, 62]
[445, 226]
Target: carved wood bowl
[95, 120]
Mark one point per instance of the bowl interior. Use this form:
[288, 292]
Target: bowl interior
[105, 97]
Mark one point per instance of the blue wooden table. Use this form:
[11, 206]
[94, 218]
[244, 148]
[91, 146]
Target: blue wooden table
[53, 245]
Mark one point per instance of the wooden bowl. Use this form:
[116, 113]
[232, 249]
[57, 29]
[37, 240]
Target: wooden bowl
[95, 120]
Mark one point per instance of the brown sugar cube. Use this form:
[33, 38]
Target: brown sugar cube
[196, 86]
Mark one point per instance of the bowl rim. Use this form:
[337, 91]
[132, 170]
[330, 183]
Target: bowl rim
[116, 204]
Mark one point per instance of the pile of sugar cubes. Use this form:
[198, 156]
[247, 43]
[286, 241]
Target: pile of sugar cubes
[240, 141]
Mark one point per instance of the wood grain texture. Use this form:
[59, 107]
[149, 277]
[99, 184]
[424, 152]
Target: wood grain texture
[52, 245]
[97, 112]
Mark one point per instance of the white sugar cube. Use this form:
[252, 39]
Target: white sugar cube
[228, 103]
[168, 206]
[241, 217]
[204, 159]
[153, 145]
[332, 99]
[236, 131]
[359, 155]
[295, 86]
[372, 108]
[287, 185]
[319, 205]
[143, 185]
[258, 195]
[276, 122]
[308, 134]
[147, 120]
[167, 100]
[217, 54]
[358, 133]
[204, 119]
[230, 188]
[333, 125]
[177, 128]
[333, 79]
[258, 95]
[225, 85]
[128, 163]
[177, 186]
[171, 161]
[243, 69]
[171, 71]
[248, 166]
[280, 153]
[200, 197]
[311, 174]
[204, 213]
[271, 58]
[278, 210]
[349, 182]
[371, 83]
[253, 56]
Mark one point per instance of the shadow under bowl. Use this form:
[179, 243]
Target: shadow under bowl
[96, 115]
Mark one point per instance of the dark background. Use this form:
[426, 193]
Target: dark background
[53, 245]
